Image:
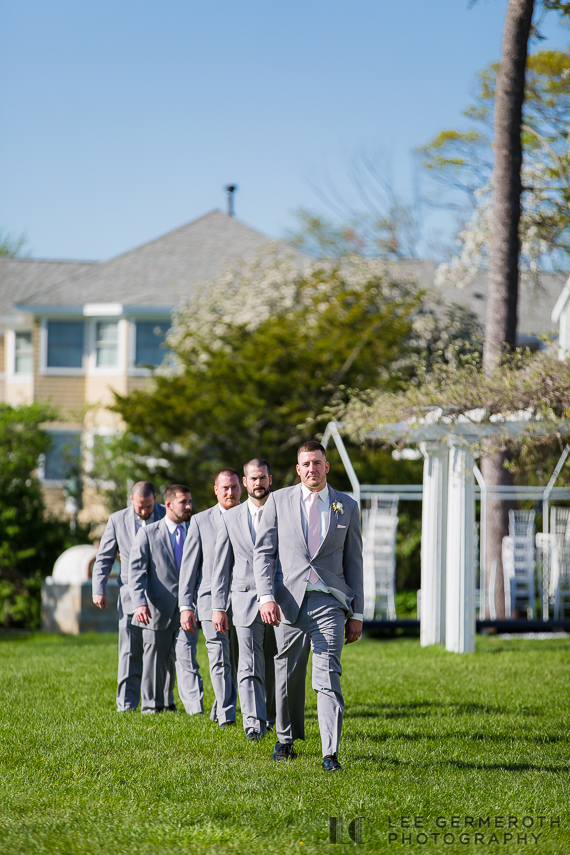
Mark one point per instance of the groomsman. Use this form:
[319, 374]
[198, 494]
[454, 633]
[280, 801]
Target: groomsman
[196, 584]
[154, 571]
[308, 573]
[233, 574]
[117, 539]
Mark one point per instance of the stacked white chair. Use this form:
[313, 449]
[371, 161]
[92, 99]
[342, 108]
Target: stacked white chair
[519, 563]
[559, 587]
[379, 526]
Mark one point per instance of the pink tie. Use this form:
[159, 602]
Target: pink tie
[313, 533]
[255, 522]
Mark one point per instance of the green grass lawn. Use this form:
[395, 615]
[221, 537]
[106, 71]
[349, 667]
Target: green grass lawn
[427, 734]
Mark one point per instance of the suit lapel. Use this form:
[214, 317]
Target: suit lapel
[131, 523]
[296, 511]
[166, 544]
[332, 520]
[245, 529]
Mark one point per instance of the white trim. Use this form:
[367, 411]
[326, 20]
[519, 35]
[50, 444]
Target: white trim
[101, 310]
[61, 372]
[95, 370]
[10, 356]
[58, 482]
[560, 304]
[133, 370]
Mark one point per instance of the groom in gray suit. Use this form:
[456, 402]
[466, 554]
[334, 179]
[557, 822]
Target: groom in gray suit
[120, 532]
[233, 573]
[154, 571]
[308, 573]
[196, 585]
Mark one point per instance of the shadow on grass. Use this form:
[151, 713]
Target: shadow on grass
[423, 709]
[491, 738]
[461, 765]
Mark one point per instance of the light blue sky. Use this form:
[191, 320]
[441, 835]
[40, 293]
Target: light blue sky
[123, 119]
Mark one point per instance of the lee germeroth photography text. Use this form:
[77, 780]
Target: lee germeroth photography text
[413, 831]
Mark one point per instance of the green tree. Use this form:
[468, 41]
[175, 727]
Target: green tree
[30, 538]
[260, 356]
[11, 247]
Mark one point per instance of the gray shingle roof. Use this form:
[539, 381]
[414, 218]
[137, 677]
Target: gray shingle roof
[160, 272]
[22, 277]
[535, 303]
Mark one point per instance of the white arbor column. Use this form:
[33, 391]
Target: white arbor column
[460, 563]
[434, 543]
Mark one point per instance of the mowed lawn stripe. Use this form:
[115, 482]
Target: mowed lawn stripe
[427, 734]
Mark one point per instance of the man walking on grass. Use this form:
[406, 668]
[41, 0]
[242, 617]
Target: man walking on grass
[233, 577]
[308, 574]
[196, 588]
[117, 540]
[154, 571]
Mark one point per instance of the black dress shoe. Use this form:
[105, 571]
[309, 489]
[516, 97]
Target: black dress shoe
[172, 708]
[253, 736]
[331, 764]
[228, 724]
[283, 751]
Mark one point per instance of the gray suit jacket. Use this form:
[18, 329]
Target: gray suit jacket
[118, 537]
[153, 575]
[282, 563]
[233, 567]
[198, 562]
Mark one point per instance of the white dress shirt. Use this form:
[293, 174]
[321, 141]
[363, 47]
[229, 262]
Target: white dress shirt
[172, 526]
[324, 506]
[254, 510]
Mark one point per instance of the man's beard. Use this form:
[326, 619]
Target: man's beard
[258, 495]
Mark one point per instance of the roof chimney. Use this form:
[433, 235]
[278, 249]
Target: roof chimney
[230, 190]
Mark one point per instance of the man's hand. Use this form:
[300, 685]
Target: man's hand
[352, 630]
[188, 620]
[270, 613]
[100, 601]
[142, 614]
[220, 621]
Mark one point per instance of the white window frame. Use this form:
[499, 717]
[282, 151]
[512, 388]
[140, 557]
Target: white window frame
[135, 371]
[10, 344]
[95, 370]
[59, 482]
[61, 372]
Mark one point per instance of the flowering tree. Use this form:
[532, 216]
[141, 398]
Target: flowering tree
[259, 356]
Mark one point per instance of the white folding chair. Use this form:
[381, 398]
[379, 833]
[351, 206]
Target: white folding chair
[379, 526]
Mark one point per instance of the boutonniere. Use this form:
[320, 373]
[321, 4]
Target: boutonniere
[338, 508]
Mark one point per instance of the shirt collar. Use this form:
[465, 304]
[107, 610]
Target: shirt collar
[171, 525]
[323, 494]
[253, 509]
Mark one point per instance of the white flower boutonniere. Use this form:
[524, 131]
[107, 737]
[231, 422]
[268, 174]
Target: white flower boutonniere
[338, 508]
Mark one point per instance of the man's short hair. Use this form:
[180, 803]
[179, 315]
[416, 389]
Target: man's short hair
[144, 489]
[311, 445]
[171, 492]
[259, 462]
[227, 471]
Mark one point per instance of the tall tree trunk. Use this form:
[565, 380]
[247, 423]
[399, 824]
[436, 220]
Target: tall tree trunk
[501, 318]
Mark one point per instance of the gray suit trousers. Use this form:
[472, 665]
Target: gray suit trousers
[218, 647]
[269, 653]
[253, 671]
[131, 665]
[319, 626]
[190, 686]
[158, 658]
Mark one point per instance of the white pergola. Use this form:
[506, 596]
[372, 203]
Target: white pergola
[448, 573]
